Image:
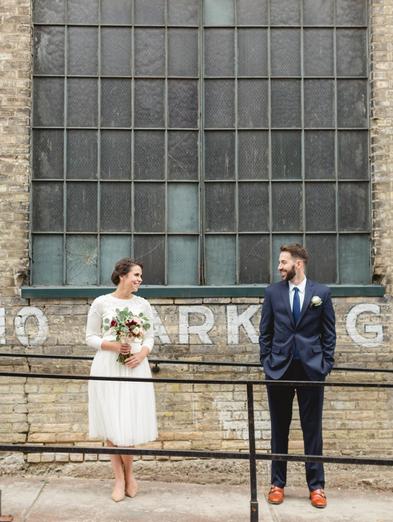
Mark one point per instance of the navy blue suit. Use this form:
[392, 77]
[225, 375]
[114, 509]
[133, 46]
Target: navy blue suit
[312, 340]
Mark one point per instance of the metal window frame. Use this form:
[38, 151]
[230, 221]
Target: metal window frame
[200, 129]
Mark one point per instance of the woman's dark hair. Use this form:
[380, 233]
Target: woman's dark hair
[122, 267]
[296, 251]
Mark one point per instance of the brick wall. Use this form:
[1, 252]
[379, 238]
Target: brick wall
[357, 421]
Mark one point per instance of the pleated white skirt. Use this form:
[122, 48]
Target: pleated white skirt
[122, 412]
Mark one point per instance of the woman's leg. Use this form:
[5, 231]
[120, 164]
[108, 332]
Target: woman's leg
[131, 483]
[118, 470]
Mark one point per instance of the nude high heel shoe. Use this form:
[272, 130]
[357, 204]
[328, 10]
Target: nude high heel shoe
[132, 488]
[118, 494]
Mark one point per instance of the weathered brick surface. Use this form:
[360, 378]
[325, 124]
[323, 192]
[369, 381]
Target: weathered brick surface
[357, 421]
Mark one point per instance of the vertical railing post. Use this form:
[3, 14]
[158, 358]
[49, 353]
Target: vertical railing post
[251, 448]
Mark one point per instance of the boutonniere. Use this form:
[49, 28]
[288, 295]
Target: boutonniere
[316, 301]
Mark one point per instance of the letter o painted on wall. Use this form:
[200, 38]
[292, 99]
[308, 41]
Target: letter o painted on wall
[20, 326]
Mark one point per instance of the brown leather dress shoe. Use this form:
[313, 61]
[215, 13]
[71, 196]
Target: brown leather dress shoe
[276, 495]
[318, 498]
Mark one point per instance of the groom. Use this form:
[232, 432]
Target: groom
[297, 341]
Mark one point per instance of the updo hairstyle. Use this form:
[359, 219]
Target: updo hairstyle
[122, 267]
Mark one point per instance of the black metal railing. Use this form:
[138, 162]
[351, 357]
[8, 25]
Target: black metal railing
[251, 455]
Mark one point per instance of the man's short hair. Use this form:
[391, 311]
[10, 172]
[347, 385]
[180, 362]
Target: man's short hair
[296, 250]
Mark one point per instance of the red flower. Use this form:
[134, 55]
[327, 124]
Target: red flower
[113, 323]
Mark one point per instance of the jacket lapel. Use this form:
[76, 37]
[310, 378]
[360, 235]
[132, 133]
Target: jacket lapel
[307, 299]
[285, 296]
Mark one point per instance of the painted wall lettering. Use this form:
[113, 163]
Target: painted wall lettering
[20, 326]
[201, 330]
[376, 329]
[235, 321]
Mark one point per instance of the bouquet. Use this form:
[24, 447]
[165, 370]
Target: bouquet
[128, 328]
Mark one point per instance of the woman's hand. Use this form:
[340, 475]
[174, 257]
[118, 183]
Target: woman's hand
[115, 346]
[135, 359]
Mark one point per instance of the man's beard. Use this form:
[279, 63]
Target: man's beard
[290, 274]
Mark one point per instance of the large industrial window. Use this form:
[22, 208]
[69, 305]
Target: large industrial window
[198, 136]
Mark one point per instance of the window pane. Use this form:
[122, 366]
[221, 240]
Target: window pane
[351, 52]
[352, 103]
[183, 261]
[149, 103]
[48, 11]
[351, 12]
[183, 12]
[49, 50]
[322, 266]
[116, 12]
[115, 154]
[321, 207]
[112, 249]
[219, 12]
[285, 12]
[82, 207]
[354, 259]
[254, 261]
[81, 154]
[220, 207]
[116, 103]
[115, 51]
[219, 103]
[183, 103]
[182, 155]
[182, 52]
[85, 12]
[82, 52]
[353, 154]
[286, 154]
[219, 155]
[149, 52]
[253, 155]
[183, 208]
[149, 207]
[253, 207]
[286, 103]
[48, 100]
[353, 206]
[318, 12]
[47, 262]
[252, 12]
[252, 52]
[149, 153]
[318, 52]
[81, 258]
[285, 52]
[319, 154]
[115, 212]
[150, 250]
[253, 103]
[82, 102]
[219, 52]
[48, 153]
[220, 260]
[149, 12]
[48, 207]
[287, 206]
[319, 103]
[278, 240]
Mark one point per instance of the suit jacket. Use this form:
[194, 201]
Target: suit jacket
[313, 336]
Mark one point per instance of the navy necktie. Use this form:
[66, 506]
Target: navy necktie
[296, 305]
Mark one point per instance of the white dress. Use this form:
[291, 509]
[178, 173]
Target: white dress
[122, 412]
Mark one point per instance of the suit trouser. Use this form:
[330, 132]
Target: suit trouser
[310, 400]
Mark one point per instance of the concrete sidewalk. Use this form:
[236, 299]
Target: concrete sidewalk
[53, 499]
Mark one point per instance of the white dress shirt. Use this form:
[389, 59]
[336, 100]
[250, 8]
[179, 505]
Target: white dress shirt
[302, 289]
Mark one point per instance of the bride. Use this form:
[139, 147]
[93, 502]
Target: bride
[121, 413]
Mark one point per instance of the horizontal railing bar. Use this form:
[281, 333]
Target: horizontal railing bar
[184, 361]
[98, 450]
[196, 381]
